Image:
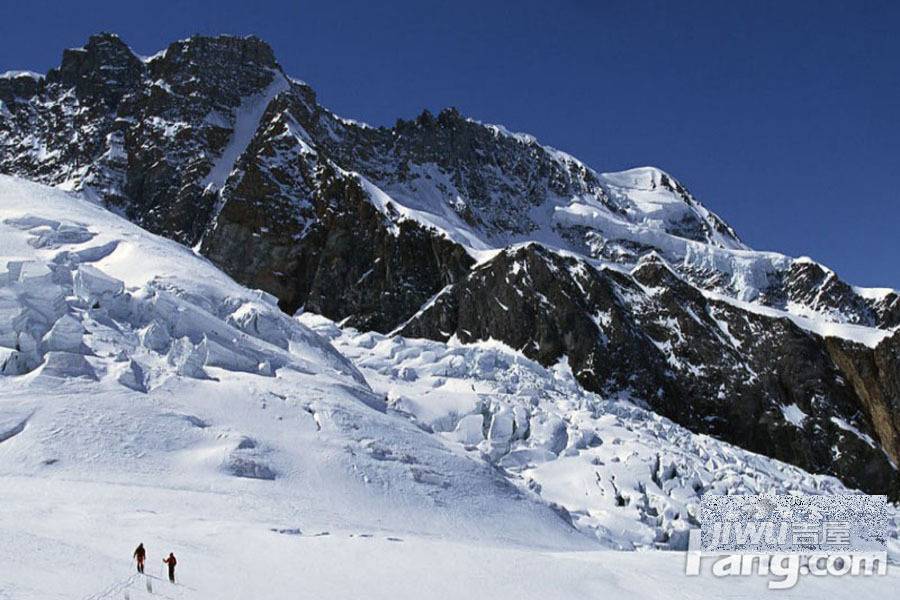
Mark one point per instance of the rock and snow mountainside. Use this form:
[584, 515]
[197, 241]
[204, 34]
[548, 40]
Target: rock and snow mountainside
[126, 356]
[622, 473]
[446, 228]
[147, 395]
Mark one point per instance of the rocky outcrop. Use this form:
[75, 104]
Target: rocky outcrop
[550, 307]
[347, 262]
[756, 381]
[104, 69]
[143, 136]
[182, 122]
[875, 376]
[293, 223]
[158, 138]
[810, 285]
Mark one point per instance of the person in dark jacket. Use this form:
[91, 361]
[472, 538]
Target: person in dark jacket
[170, 560]
[139, 555]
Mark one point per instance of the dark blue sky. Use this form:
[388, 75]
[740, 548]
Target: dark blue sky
[783, 117]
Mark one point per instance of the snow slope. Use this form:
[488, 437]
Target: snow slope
[631, 216]
[129, 361]
[147, 397]
[246, 122]
[627, 476]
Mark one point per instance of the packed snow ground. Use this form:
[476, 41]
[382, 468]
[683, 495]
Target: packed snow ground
[64, 539]
[146, 397]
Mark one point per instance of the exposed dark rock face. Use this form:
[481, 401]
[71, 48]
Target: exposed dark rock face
[345, 261]
[105, 69]
[756, 381]
[876, 379]
[56, 127]
[141, 135]
[14, 87]
[182, 121]
[210, 144]
[293, 223]
[473, 159]
[549, 306]
[887, 310]
[810, 285]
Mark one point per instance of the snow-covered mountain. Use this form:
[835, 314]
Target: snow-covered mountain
[126, 354]
[147, 391]
[131, 363]
[520, 337]
[624, 474]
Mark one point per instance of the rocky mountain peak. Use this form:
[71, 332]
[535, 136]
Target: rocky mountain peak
[206, 51]
[215, 68]
[105, 67]
[18, 84]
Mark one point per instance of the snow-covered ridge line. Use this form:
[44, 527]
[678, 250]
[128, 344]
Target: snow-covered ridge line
[609, 216]
[873, 293]
[627, 179]
[643, 208]
[749, 270]
[870, 293]
[13, 74]
[867, 336]
[529, 139]
[149, 58]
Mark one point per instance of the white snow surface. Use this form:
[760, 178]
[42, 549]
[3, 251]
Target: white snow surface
[867, 336]
[146, 397]
[14, 74]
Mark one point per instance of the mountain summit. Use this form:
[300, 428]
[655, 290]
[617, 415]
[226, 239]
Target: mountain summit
[445, 228]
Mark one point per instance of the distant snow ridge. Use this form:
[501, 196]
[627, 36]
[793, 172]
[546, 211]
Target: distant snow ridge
[624, 474]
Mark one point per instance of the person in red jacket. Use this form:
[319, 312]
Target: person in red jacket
[170, 560]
